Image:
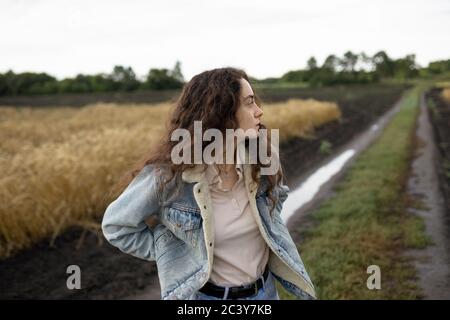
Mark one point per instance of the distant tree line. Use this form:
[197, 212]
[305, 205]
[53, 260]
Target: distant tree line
[121, 79]
[361, 68]
[351, 68]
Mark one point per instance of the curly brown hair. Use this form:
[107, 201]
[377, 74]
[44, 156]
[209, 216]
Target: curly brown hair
[212, 97]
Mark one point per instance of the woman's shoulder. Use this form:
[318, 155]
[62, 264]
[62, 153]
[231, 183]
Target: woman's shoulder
[156, 169]
[161, 174]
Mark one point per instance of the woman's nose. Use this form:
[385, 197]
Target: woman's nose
[259, 112]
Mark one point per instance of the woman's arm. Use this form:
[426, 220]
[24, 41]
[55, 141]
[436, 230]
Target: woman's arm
[124, 223]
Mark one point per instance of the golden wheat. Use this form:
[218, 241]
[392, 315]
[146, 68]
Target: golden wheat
[298, 118]
[445, 94]
[58, 164]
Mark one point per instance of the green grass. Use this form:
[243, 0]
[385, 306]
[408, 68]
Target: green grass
[366, 222]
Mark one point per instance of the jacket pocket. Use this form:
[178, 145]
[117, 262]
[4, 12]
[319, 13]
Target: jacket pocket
[184, 222]
[167, 249]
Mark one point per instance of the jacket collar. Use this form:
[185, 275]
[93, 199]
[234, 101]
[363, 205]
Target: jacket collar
[197, 173]
[194, 174]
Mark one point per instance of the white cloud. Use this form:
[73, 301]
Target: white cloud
[265, 38]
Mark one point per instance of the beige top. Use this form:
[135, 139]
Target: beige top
[240, 252]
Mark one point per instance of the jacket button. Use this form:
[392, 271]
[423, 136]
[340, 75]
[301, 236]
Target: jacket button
[210, 244]
[199, 190]
[178, 225]
[204, 207]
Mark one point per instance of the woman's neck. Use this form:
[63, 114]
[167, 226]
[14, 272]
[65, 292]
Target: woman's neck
[224, 167]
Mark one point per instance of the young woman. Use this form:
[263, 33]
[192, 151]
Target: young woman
[213, 228]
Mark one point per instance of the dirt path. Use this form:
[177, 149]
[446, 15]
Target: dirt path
[433, 262]
[299, 221]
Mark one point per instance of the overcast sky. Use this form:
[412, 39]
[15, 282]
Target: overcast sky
[265, 38]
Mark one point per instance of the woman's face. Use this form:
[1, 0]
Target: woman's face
[249, 113]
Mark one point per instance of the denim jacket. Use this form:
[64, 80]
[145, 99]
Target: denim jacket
[182, 243]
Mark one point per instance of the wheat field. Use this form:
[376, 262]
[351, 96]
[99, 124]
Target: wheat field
[446, 94]
[58, 164]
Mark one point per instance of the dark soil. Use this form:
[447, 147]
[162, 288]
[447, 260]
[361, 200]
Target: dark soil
[439, 111]
[107, 273]
[40, 273]
[299, 155]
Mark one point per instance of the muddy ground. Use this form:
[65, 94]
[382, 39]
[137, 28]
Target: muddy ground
[439, 113]
[433, 262]
[106, 273]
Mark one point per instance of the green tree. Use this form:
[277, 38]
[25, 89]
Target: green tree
[176, 72]
[294, 76]
[367, 60]
[312, 63]
[331, 63]
[125, 78]
[161, 79]
[384, 66]
[349, 61]
[406, 67]
[26, 83]
[439, 67]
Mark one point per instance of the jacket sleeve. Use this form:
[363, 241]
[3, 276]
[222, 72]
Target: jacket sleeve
[283, 192]
[124, 224]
